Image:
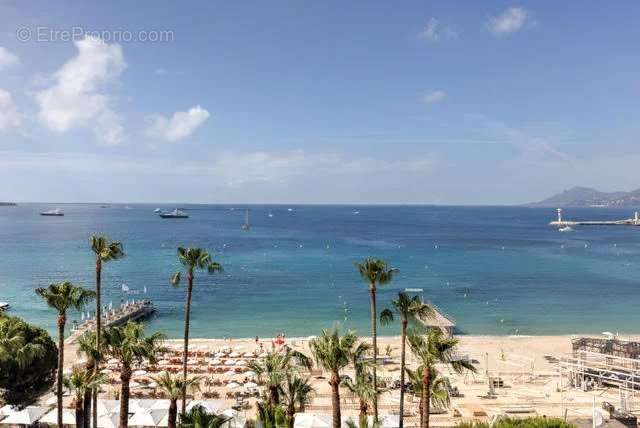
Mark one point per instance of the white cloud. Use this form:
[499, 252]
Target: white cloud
[76, 97]
[7, 59]
[434, 31]
[509, 21]
[179, 126]
[434, 97]
[9, 116]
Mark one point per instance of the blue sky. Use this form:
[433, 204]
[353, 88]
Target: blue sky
[472, 102]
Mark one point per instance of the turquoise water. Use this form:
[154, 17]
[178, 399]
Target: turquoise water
[496, 270]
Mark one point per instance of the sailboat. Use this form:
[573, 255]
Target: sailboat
[245, 225]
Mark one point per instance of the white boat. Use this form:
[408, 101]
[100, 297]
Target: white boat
[157, 210]
[4, 306]
[53, 213]
[270, 214]
[565, 229]
[176, 213]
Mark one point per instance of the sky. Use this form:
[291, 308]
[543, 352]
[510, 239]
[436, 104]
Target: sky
[419, 102]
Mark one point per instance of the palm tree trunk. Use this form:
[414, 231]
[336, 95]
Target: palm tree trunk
[426, 396]
[403, 334]
[125, 377]
[173, 414]
[187, 312]
[94, 393]
[335, 399]
[87, 408]
[363, 413]
[79, 411]
[374, 334]
[274, 396]
[291, 413]
[62, 319]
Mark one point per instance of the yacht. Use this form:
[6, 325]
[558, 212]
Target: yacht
[157, 210]
[53, 213]
[176, 213]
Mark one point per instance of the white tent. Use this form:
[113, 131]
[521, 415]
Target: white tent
[68, 417]
[310, 420]
[211, 406]
[6, 410]
[150, 418]
[109, 420]
[27, 416]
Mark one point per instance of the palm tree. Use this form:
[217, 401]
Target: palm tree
[87, 345]
[62, 297]
[429, 349]
[172, 385]
[276, 367]
[363, 386]
[14, 346]
[296, 393]
[375, 273]
[192, 259]
[408, 308]
[105, 251]
[129, 345]
[269, 415]
[333, 353]
[80, 381]
[439, 388]
[198, 417]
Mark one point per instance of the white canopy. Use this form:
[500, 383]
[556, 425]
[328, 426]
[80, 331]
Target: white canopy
[310, 420]
[211, 406]
[248, 355]
[241, 363]
[68, 417]
[251, 385]
[215, 362]
[108, 406]
[233, 385]
[140, 372]
[27, 416]
[229, 373]
[6, 410]
[250, 373]
[150, 418]
[234, 355]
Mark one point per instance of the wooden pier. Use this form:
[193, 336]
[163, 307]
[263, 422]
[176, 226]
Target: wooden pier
[130, 311]
[635, 221]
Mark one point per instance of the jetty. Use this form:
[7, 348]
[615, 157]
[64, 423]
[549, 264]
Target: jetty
[560, 222]
[128, 311]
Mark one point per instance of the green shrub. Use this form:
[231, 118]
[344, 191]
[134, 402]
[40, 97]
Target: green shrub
[534, 422]
[28, 361]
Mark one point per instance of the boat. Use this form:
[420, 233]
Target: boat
[566, 229]
[176, 213]
[52, 213]
[157, 210]
[4, 306]
[246, 225]
[270, 214]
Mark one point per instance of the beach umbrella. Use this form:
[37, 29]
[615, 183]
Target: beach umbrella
[220, 354]
[229, 373]
[134, 384]
[108, 406]
[150, 418]
[250, 373]
[68, 417]
[251, 385]
[215, 362]
[239, 347]
[192, 361]
[263, 355]
[140, 372]
[113, 361]
[241, 363]
[211, 406]
[233, 385]
[27, 416]
[152, 385]
[248, 355]
[310, 420]
[234, 355]
[106, 371]
[109, 420]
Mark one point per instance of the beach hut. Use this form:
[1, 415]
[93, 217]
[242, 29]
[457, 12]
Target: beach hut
[310, 420]
[150, 418]
[51, 418]
[27, 416]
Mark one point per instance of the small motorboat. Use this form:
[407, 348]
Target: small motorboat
[176, 213]
[53, 213]
[565, 229]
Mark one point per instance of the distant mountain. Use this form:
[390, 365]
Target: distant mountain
[7, 204]
[587, 197]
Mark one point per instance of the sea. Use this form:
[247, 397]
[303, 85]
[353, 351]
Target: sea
[494, 270]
